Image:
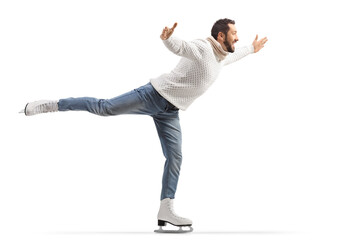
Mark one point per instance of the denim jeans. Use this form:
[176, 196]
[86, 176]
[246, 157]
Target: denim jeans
[145, 101]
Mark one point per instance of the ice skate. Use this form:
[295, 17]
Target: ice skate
[42, 106]
[167, 215]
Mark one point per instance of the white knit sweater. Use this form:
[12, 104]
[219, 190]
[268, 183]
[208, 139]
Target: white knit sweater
[195, 73]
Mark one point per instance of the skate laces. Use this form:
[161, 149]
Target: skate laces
[171, 208]
[47, 107]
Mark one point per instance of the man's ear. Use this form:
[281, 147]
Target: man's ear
[221, 37]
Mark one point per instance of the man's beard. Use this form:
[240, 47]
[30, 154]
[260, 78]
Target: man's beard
[228, 45]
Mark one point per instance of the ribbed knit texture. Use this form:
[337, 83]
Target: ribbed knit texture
[195, 73]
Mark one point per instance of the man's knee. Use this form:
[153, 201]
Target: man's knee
[104, 108]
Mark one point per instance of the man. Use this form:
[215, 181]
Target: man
[199, 66]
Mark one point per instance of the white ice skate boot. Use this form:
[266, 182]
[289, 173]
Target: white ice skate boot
[42, 106]
[167, 215]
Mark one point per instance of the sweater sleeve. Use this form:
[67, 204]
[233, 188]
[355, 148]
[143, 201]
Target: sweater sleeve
[182, 48]
[238, 54]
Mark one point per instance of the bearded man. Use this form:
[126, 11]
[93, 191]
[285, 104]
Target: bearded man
[162, 98]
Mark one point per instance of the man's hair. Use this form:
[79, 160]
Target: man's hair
[221, 25]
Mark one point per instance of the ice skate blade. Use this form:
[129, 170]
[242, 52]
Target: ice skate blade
[180, 230]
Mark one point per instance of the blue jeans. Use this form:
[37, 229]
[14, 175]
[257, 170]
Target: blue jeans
[146, 101]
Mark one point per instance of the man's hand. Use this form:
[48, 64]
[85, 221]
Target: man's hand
[166, 33]
[259, 44]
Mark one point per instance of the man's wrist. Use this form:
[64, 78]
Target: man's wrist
[167, 38]
[252, 48]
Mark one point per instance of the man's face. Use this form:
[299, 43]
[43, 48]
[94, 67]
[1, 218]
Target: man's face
[230, 39]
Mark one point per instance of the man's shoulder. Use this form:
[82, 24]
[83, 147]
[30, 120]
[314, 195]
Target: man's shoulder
[201, 41]
[202, 44]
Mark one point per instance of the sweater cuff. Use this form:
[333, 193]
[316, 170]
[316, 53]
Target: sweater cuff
[251, 48]
[169, 39]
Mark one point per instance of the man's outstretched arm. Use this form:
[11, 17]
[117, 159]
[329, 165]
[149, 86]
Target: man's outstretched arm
[178, 46]
[244, 51]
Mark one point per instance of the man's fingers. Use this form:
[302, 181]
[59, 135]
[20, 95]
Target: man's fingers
[256, 38]
[166, 29]
[264, 41]
[175, 24]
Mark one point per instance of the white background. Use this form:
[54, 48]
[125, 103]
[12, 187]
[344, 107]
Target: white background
[271, 151]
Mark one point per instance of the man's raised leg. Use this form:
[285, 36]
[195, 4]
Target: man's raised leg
[138, 101]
